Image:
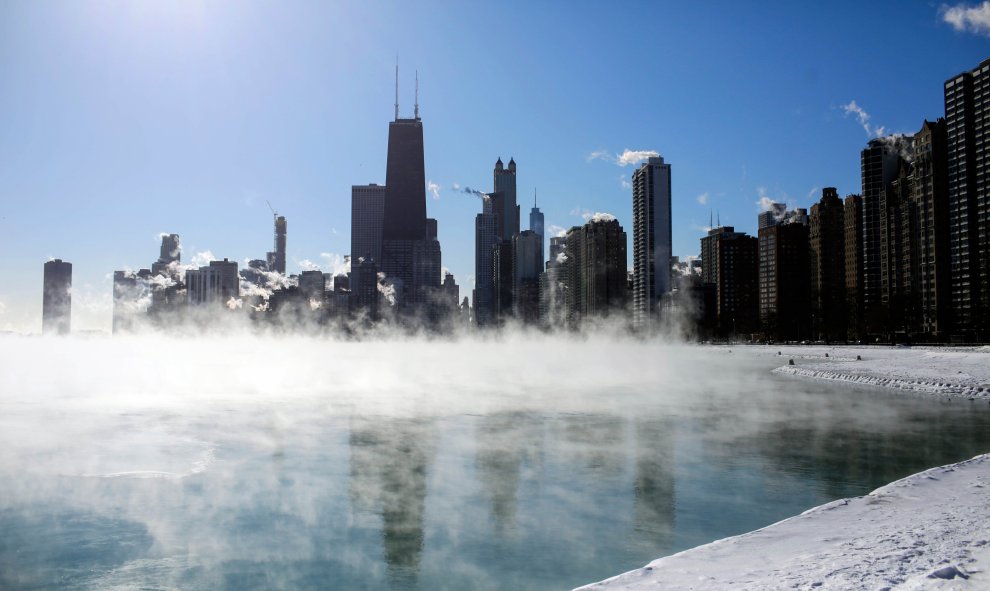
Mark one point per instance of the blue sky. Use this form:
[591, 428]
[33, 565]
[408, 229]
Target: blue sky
[122, 120]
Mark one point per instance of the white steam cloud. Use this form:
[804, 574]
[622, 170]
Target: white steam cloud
[433, 188]
[703, 199]
[968, 19]
[864, 119]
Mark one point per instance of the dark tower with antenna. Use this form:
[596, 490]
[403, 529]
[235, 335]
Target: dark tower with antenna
[410, 251]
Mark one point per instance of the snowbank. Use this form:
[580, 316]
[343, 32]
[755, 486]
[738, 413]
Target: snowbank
[928, 531]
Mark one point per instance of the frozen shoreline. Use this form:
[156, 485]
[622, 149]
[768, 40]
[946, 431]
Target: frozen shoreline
[930, 530]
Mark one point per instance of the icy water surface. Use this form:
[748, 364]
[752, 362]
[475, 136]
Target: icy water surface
[526, 463]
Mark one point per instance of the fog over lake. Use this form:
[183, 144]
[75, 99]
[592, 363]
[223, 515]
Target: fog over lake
[525, 461]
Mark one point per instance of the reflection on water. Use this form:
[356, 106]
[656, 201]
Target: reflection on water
[529, 487]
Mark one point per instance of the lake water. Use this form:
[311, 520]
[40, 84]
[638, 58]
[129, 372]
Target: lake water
[527, 463]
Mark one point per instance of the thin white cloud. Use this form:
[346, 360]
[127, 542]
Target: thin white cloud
[624, 182]
[433, 188]
[864, 120]
[600, 155]
[968, 19]
[556, 231]
[626, 158]
[813, 193]
[703, 199]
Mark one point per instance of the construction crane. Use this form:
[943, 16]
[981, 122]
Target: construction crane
[274, 213]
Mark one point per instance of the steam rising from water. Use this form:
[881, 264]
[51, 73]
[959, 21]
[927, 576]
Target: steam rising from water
[521, 460]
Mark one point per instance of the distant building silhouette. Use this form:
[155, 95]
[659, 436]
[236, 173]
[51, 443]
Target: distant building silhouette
[166, 294]
[651, 240]
[130, 294]
[56, 302]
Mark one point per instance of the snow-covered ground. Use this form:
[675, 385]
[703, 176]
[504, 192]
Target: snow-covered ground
[930, 530]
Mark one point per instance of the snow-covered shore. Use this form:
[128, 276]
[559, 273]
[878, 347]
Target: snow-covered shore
[943, 371]
[930, 530]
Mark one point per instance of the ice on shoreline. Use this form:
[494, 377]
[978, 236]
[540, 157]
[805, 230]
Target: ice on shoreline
[930, 530]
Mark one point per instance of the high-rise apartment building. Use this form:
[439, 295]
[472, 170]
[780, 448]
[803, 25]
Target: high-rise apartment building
[852, 211]
[737, 283]
[930, 198]
[56, 301]
[827, 265]
[783, 281]
[651, 239]
[967, 117]
[595, 269]
[880, 163]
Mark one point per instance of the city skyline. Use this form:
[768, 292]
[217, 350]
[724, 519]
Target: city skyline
[109, 224]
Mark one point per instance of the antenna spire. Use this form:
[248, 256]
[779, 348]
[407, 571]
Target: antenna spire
[534, 196]
[416, 109]
[711, 220]
[396, 87]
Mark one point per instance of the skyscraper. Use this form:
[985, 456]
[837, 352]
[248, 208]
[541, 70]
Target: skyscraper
[967, 117]
[737, 261]
[594, 269]
[405, 232]
[930, 196]
[651, 239]
[217, 282]
[276, 258]
[56, 302]
[485, 239]
[827, 266]
[783, 281]
[527, 264]
[536, 225]
[880, 163]
[852, 212]
[367, 217]
[506, 211]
